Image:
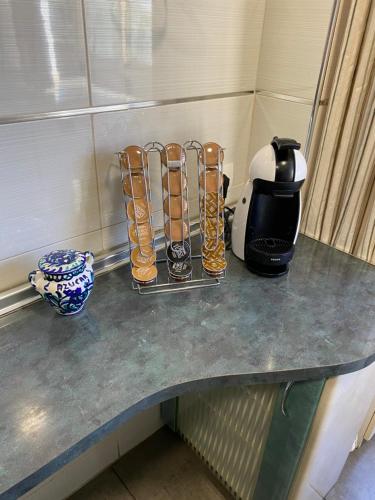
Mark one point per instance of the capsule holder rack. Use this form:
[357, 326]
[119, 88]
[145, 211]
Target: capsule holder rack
[165, 283]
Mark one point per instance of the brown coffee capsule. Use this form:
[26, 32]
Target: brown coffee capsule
[212, 227]
[139, 183]
[212, 203]
[214, 266]
[139, 259]
[178, 206]
[146, 250]
[210, 153]
[143, 236]
[144, 274]
[173, 155]
[177, 180]
[214, 181]
[138, 209]
[213, 249]
[176, 230]
[133, 158]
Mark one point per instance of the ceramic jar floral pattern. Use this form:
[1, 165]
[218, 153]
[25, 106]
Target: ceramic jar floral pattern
[65, 279]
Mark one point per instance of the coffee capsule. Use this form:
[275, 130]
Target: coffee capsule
[212, 227]
[210, 153]
[139, 183]
[214, 181]
[214, 266]
[134, 158]
[144, 275]
[180, 270]
[175, 206]
[140, 259]
[174, 181]
[143, 236]
[138, 209]
[178, 251]
[176, 230]
[173, 155]
[212, 203]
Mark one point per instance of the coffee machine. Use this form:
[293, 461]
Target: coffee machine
[267, 217]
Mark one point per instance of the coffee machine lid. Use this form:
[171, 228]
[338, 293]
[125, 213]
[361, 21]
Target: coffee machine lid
[279, 161]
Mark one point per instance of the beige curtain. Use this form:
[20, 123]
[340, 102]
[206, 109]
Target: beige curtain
[339, 195]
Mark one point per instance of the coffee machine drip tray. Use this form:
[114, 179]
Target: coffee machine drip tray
[269, 256]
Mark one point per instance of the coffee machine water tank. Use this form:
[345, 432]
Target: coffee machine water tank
[267, 216]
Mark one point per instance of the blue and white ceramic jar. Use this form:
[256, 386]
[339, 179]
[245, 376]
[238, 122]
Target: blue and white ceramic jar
[65, 279]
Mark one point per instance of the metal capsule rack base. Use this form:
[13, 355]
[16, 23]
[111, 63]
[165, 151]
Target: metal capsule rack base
[169, 285]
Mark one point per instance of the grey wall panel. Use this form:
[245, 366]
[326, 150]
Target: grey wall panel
[168, 49]
[42, 56]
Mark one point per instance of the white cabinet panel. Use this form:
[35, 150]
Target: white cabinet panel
[226, 121]
[163, 49]
[42, 56]
[278, 117]
[292, 46]
[48, 184]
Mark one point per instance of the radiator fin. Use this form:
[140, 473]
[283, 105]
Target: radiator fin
[228, 428]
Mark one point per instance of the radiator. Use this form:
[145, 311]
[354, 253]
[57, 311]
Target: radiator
[228, 428]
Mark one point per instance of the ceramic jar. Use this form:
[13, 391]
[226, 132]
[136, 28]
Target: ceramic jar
[65, 279]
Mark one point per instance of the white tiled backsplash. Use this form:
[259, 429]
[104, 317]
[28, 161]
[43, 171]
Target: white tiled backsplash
[59, 178]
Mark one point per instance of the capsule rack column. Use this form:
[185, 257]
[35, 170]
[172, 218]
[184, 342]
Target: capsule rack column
[176, 212]
[211, 206]
[137, 197]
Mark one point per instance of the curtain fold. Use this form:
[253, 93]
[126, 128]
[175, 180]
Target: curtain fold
[339, 195]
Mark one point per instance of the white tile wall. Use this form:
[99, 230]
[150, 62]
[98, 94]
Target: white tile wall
[292, 45]
[48, 189]
[157, 49]
[42, 56]
[278, 117]
[227, 121]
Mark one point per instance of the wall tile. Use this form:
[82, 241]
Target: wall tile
[14, 270]
[160, 49]
[48, 181]
[292, 46]
[278, 117]
[42, 56]
[226, 121]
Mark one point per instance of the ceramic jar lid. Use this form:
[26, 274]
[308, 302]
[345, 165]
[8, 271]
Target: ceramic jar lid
[62, 262]
[175, 207]
[177, 180]
[134, 157]
[210, 153]
[173, 155]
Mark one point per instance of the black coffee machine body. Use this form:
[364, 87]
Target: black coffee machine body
[267, 216]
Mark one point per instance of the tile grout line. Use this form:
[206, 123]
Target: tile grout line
[122, 482]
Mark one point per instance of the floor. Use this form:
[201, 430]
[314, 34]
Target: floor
[164, 468]
[161, 468]
[357, 480]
